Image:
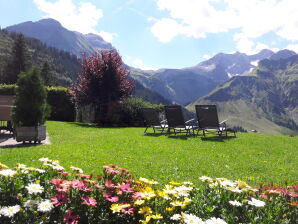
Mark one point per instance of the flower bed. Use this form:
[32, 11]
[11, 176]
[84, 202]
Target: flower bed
[50, 194]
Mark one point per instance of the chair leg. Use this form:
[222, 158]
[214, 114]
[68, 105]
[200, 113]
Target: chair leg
[145, 129]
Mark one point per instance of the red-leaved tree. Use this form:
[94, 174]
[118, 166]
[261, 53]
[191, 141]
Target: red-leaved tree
[103, 80]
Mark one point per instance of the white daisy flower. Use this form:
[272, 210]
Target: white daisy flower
[34, 188]
[214, 220]
[79, 170]
[7, 173]
[40, 170]
[176, 217]
[10, 211]
[256, 202]
[183, 190]
[206, 179]
[45, 159]
[191, 219]
[45, 206]
[30, 203]
[235, 203]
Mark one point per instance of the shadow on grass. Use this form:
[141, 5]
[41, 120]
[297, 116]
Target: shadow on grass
[21, 145]
[217, 138]
[93, 125]
[86, 125]
[154, 134]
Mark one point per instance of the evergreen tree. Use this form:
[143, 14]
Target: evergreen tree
[31, 100]
[20, 61]
[46, 74]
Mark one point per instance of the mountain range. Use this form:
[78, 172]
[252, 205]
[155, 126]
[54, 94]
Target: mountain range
[265, 99]
[254, 91]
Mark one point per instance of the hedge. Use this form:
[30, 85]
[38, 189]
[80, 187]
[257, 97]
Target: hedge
[62, 109]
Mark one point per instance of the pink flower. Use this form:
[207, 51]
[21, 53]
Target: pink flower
[70, 218]
[57, 181]
[109, 184]
[77, 184]
[59, 199]
[126, 188]
[84, 188]
[64, 173]
[88, 201]
[84, 175]
[128, 211]
[62, 187]
[110, 198]
[137, 195]
[112, 171]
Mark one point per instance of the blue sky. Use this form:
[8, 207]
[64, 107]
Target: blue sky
[152, 34]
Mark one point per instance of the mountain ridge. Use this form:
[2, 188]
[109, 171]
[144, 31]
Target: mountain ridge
[54, 34]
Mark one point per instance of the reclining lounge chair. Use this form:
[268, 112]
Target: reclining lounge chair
[176, 121]
[208, 121]
[151, 120]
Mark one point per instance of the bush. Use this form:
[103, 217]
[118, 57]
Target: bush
[31, 100]
[128, 112]
[62, 108]
[8, 89]
[50, 194]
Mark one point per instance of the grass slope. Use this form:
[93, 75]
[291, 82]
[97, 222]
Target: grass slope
[252, 157]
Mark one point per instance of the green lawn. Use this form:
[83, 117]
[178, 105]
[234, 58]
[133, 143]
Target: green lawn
[252, 157]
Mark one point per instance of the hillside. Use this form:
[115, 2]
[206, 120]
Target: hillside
[54, 34]
[64, 66]
[265, 100]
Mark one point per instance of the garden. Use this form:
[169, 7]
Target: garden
[111, 172]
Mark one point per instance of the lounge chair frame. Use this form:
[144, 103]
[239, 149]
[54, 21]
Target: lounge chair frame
[176, 121]
[208, 121]
[151, 120]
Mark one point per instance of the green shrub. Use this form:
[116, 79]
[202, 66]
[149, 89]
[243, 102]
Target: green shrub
[62, 109]
[128, 112]
[7, 89]
[31, 100]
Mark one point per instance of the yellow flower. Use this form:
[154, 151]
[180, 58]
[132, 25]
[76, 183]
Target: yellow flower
[162, 194]
[37, 181]
[177, 203]
[156, 216]
[145, 180]
[139, 202]
[146, 220]
[175, 183]
[148, 193]
[145, 210]
[117, 207]
[169, 190]
[187, 201]
[3, 167]
[241, 184]
[170, 209]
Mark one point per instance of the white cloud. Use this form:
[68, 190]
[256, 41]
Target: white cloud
[83, 17]
[253, 18]
[107, 36]
[138, 63]
[293, 47]
[248, 46]
[166, 29]
[206, 56]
